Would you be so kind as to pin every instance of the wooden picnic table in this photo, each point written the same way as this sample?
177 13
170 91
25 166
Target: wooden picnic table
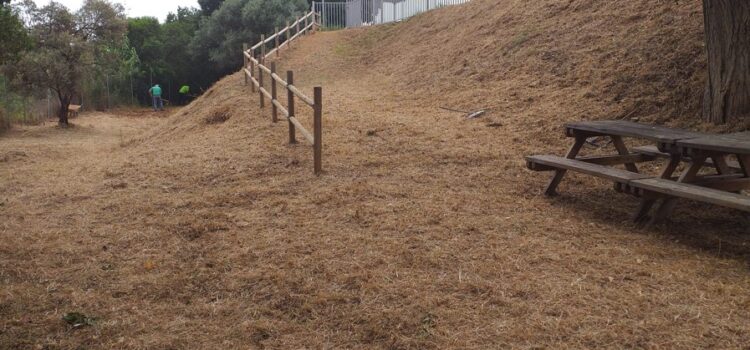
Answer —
729 177
665 139
676 145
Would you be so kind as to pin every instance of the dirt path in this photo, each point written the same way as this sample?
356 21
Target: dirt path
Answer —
425 232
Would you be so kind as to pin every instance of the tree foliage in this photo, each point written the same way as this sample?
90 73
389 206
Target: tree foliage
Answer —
97 55
209 6
13 39
224 32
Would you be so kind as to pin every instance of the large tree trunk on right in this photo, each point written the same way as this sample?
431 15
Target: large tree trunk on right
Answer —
727 25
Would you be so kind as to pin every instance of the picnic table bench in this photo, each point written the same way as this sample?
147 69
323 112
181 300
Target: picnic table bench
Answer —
677 146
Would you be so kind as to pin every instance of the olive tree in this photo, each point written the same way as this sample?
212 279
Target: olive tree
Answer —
66 45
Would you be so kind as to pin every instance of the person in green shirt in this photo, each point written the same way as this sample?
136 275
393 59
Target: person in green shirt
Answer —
155 92
184 91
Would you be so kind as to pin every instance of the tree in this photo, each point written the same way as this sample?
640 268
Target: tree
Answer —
727 26
66 45
209 6
221 34
13 39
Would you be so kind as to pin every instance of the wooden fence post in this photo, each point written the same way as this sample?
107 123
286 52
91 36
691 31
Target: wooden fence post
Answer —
306 24
297 25
274 110
252 69
260 86
276 40
262 49
290 105
244 61
318 130
288 30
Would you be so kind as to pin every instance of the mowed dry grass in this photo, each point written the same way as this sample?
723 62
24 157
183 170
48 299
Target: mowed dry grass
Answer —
209 231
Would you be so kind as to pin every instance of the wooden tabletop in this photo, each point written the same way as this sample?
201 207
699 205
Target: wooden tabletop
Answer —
623 128
737 143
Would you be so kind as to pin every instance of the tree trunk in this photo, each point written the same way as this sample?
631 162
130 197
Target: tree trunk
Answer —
727 24
62 114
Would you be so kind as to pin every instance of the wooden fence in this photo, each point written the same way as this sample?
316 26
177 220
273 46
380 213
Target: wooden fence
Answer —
255 67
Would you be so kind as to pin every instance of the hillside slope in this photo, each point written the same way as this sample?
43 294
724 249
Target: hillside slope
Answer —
596 59
425 230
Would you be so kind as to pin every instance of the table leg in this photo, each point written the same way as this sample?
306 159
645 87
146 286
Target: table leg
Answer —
559 174
744 160
668 170
648 201
623 150
668 204
720 163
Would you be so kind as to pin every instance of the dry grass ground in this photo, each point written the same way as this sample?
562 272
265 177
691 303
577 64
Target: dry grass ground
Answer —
206 230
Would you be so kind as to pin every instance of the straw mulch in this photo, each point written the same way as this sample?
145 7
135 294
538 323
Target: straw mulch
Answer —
207 230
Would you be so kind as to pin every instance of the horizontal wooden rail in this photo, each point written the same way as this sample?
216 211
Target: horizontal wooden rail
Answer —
302 130
281 108
266 93
301 96
288 111
273 37
279 80
275 50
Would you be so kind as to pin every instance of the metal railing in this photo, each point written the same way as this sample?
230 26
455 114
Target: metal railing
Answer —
357 13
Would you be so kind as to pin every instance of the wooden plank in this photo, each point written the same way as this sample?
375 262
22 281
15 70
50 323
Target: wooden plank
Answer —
718 143
281 108
693 192
654 151
266 55
651 151
265 69
630 129
732 183
301 96
266 93
551 189
302 130
268 40
279 80
618 159
614 174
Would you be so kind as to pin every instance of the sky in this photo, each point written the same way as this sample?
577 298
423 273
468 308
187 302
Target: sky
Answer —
136 8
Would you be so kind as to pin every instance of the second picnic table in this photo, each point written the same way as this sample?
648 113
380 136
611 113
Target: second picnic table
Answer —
676 146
